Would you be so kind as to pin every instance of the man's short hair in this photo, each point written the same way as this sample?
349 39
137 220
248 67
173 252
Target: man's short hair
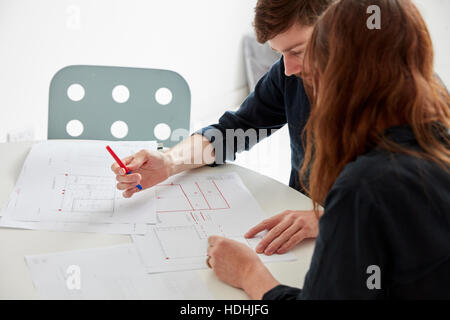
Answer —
273 17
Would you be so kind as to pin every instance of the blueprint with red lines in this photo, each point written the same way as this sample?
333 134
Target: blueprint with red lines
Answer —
190 208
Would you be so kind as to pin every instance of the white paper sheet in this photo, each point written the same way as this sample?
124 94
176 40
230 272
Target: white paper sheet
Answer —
64 182
108 273
107 228
192 207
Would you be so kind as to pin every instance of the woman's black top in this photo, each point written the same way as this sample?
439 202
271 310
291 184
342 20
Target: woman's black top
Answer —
385 231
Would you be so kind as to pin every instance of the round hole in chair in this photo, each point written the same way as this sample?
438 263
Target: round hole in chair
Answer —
119 129
74 128
163 96
162 131
75 92
120 94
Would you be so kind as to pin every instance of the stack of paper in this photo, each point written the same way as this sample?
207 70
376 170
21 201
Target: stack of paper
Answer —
108 273
69 186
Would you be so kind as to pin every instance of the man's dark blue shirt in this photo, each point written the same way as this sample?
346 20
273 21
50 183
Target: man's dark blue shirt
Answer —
276 101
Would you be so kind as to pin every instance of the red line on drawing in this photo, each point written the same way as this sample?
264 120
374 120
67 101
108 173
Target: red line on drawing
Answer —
194 218
202 216
221 194
202 194
186 197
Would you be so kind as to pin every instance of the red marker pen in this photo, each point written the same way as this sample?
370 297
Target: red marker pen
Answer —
120 163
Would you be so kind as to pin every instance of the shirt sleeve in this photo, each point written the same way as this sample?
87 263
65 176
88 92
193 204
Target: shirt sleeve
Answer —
260 115
282 292
349 256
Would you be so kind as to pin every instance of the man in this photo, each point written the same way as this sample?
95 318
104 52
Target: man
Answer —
278 98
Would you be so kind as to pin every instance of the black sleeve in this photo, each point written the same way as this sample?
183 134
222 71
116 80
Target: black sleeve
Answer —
282 292
263 110
348 244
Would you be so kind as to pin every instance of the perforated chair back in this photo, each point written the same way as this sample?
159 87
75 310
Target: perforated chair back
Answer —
96 101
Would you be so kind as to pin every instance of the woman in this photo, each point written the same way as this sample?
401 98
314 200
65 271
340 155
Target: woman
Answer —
380 164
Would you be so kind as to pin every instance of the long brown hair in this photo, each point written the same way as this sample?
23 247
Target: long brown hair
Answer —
365 81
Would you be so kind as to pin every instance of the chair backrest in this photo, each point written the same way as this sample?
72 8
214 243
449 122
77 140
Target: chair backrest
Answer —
151 104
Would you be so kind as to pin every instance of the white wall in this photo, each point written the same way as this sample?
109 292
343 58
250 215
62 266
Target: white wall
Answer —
200 39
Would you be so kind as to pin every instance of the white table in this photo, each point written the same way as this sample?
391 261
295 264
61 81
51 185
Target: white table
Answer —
15 278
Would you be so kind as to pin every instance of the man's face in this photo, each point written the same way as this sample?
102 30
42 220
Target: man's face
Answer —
292 45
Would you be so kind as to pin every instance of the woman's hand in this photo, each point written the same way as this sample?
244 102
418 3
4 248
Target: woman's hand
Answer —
285 231
237 265
148 169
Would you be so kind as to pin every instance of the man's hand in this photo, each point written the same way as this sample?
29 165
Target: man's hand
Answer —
148 169
285 231
237 265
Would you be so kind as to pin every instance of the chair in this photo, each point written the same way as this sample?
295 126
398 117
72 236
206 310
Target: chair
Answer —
131 101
